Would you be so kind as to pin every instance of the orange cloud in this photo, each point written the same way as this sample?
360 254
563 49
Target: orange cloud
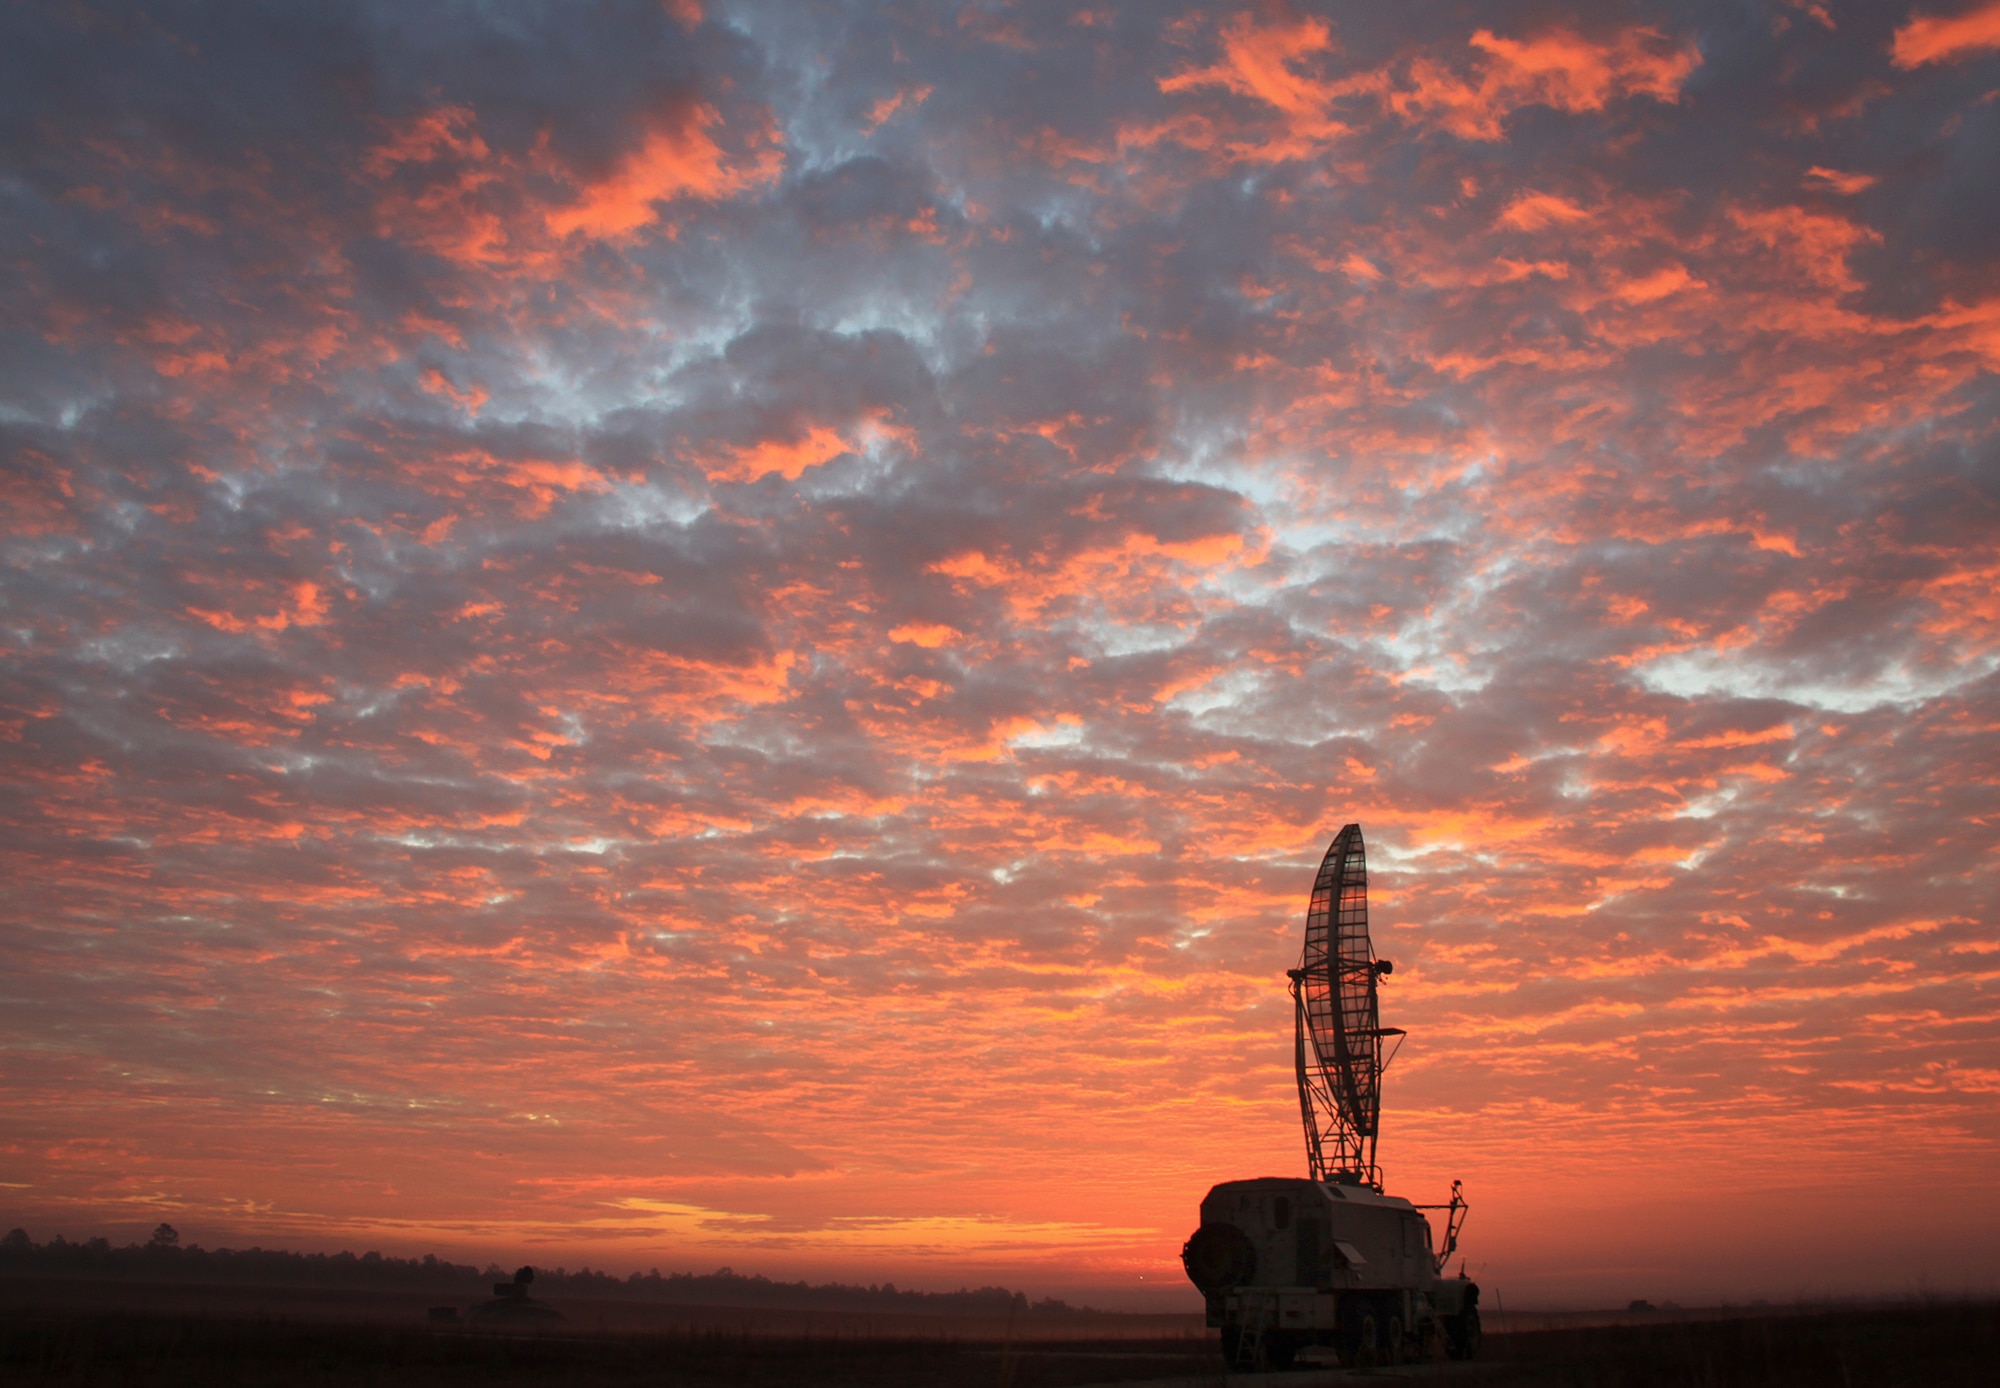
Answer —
1668 279
443 188
674 159
1257 63
792 452
929 635
1125 575
1816 243
435 382
1262 62
526 486
452 211
787 458
1943 38
1531 211
1835 181
307 607
880 113
1557 68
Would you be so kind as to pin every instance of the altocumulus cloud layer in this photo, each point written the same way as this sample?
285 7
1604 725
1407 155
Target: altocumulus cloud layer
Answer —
709 633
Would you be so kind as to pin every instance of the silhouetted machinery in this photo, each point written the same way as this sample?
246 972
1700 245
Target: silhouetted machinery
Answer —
511 1305
1328 1259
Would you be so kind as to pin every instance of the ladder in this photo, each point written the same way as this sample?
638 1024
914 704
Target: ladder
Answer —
1250 1338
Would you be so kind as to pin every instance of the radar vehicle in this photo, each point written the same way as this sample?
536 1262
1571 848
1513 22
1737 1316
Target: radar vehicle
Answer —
1328 1259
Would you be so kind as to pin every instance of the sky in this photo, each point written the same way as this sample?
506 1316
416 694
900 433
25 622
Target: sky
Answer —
727 634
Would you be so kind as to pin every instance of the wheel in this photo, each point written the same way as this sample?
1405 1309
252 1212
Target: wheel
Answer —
1232 1336
1363 1342
1461 1334
1280 1350
1394 1348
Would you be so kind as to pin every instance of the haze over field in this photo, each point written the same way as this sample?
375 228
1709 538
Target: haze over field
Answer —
727 633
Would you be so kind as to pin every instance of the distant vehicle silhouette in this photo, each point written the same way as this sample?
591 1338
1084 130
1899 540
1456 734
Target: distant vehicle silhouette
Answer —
510 1305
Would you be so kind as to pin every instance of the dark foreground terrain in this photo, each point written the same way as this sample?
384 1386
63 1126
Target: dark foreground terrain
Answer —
1940 1345
1932 1346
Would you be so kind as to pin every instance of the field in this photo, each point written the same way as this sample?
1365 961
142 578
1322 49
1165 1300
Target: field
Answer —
52 1335
1936 1345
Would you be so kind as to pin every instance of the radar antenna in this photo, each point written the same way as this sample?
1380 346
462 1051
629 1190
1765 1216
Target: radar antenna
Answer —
1337 1029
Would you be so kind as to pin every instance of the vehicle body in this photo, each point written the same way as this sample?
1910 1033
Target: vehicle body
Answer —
1288 1262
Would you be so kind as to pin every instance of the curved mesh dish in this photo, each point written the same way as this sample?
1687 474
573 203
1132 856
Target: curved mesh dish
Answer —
1339 1025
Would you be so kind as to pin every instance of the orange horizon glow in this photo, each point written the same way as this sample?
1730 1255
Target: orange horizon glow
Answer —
729 636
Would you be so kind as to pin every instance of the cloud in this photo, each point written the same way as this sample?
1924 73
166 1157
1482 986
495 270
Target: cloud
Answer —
446 190
1259 62
678 159
1557 67
1929 38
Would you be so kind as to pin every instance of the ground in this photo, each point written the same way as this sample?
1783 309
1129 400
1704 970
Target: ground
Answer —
51 1335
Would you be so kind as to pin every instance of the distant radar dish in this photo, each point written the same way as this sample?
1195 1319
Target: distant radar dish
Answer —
1337 1030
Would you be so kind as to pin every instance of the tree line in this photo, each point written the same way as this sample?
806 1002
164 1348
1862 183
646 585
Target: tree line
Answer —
165 1258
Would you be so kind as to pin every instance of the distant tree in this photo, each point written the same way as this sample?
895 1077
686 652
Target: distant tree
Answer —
166 1256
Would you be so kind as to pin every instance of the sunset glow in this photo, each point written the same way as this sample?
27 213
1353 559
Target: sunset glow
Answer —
728 634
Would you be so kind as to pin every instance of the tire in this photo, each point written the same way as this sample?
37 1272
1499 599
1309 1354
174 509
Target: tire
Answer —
1280 1350
1462 1335
1361 1345
1393 1350
1232 1336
